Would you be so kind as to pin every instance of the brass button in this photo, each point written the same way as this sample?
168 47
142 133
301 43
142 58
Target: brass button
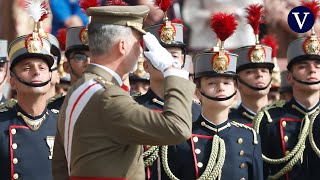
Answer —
195 139
15 160
14 146
200 165
240 141
13 131
286 138
15 176
287 152
242 165
197 151
203 123
284 123
241 153
243 178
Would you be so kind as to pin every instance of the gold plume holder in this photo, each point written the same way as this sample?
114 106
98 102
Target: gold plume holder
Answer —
257 54
220 61
83 35
276 74
140 72
167 31
33 41
312 44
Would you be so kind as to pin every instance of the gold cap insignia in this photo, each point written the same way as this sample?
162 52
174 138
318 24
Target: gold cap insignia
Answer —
83 35
34 43
167 32
220 62
311 45
257 54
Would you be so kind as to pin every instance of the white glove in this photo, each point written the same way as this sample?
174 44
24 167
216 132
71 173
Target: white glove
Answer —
159 56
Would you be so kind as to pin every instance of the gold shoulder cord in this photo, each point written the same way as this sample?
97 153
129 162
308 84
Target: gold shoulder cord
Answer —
311 139
151 155
297 152
215 163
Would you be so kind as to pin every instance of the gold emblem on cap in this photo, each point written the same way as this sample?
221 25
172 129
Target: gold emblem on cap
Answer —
167 32
312 45
257 54
220 62
34 43
83 35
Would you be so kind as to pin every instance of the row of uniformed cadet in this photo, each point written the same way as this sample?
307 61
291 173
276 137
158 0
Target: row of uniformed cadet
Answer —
101 129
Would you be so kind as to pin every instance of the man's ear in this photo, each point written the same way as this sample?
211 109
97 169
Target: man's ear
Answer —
66 67
122 46
198 94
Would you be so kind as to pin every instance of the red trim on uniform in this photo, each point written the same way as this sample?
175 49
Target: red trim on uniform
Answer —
249 124
193 150
10 145
155 110
284 149
71 113
95 178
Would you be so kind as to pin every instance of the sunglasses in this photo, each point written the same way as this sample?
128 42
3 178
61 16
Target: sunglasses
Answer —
80 57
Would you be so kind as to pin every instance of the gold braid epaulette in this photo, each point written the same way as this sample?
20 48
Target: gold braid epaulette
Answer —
214 167
103 82
8 104
254 133
297 152
150 155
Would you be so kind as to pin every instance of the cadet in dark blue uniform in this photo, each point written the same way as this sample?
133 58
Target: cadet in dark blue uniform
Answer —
254 68
153 99
288 129
27 127
219 148
3 68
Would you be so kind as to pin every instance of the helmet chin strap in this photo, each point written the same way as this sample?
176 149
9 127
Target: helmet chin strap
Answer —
305 82
30 84
218 99
252 87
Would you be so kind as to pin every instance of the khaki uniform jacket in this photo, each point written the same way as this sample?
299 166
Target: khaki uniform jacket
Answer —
111 129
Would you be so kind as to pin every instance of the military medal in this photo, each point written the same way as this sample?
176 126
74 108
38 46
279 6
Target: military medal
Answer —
50 143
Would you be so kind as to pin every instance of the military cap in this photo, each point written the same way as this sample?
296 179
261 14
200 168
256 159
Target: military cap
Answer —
284 86
254 56
304 48
3 50
77 39
207 63
131 16
30 46
177 37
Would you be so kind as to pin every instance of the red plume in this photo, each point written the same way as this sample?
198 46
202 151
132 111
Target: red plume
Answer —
116 3
45 15
62 36
271 41
254 17
163 4
313 6
85 4
223 25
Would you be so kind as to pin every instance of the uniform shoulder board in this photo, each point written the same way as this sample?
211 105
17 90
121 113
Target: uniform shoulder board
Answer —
103 82
276 104
54 98
4 107
254 133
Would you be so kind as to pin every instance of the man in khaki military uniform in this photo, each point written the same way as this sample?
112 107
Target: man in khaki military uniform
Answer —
101 129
